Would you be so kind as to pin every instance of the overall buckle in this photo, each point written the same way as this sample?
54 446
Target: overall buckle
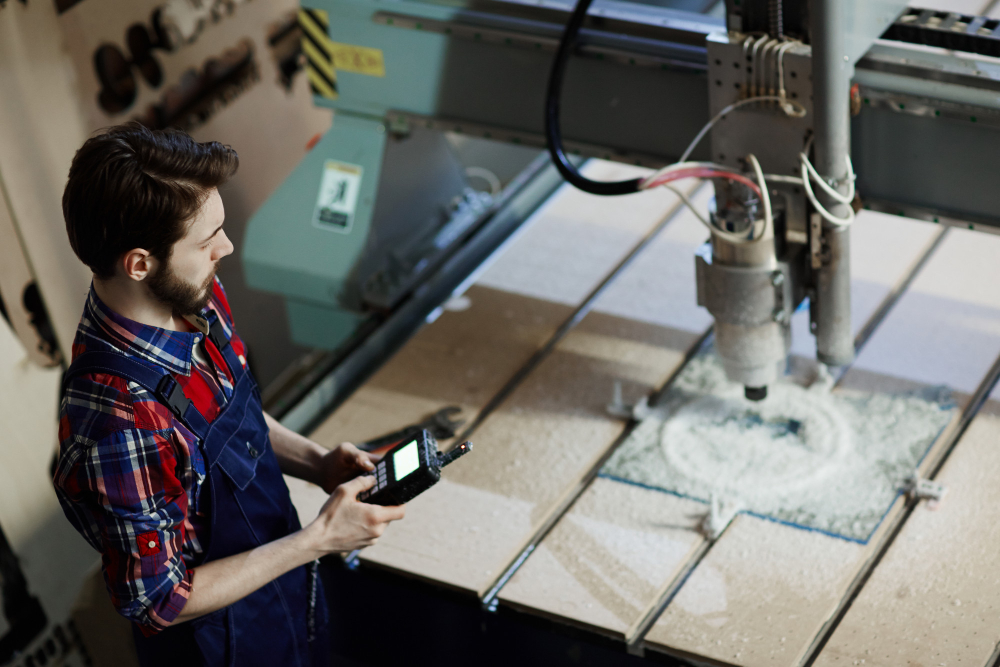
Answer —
173 397
217 334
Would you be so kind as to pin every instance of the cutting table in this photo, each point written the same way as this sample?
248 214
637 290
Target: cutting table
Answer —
525 527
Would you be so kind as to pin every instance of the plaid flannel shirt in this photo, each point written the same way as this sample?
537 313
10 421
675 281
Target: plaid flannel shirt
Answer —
130 475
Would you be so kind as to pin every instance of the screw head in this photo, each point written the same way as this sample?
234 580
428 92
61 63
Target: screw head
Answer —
778 279
779 315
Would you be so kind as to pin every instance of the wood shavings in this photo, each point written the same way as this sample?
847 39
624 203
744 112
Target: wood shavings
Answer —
832 462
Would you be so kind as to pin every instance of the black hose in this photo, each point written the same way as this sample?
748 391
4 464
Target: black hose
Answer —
553 133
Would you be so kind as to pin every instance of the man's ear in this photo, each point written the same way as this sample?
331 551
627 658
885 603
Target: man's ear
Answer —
138 264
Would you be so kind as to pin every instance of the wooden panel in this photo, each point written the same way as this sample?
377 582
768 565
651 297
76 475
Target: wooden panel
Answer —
600 586
534 450
577 239
935 597
944 330
610 559
875 272
578 596
465 357
776 586
520 300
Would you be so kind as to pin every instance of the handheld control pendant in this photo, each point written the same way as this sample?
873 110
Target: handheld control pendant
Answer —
409 469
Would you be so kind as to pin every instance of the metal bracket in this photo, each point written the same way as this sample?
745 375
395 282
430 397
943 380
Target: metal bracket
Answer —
618 408
742 295
721 513
918 488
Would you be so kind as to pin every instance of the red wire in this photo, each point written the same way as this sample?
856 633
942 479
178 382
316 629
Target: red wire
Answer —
702 172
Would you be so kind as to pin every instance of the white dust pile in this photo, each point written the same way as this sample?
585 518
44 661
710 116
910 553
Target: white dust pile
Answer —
831 462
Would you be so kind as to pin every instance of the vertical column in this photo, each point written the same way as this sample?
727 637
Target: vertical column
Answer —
831 96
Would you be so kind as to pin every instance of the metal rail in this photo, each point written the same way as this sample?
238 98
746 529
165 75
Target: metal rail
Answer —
860 340
381 340
969 412
489 600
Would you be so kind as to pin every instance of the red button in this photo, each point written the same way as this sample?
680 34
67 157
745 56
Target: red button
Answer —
148 543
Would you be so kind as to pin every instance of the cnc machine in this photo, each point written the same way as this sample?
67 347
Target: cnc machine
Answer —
799 113
775 78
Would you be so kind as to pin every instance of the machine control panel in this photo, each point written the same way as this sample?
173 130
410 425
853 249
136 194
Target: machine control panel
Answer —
409 469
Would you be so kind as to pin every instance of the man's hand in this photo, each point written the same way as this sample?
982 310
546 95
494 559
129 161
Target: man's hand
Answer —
300 457
345 524
343 463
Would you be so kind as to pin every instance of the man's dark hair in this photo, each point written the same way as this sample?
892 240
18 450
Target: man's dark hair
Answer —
132 187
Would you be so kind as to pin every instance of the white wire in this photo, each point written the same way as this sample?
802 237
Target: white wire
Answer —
810 175
752 85
792 109
833 194
781 65
729 236
765 194
762 67
732 107
780 178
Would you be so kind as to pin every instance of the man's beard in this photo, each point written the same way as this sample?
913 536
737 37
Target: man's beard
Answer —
182 297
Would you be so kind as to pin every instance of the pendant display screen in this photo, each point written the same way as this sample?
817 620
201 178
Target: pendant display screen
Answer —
405 460
408 469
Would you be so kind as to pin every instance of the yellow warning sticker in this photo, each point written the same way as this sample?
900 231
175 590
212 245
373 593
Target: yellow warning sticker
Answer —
358 59
319 57
325 56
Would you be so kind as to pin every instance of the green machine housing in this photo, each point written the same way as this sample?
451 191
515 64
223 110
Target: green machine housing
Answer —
378 205
381 200
372 207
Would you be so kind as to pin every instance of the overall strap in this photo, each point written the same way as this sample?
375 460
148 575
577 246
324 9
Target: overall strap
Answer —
154 379
217 334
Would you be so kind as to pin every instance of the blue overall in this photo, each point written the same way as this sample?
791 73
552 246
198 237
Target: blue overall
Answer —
282 623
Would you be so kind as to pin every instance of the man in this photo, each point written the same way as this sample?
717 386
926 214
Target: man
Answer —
168 465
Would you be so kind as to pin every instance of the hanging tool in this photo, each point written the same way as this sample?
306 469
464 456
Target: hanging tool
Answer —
440 425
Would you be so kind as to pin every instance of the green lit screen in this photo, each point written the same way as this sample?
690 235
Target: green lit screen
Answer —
405 460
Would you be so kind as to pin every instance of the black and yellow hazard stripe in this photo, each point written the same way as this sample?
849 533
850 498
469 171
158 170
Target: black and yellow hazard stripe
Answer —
318 48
